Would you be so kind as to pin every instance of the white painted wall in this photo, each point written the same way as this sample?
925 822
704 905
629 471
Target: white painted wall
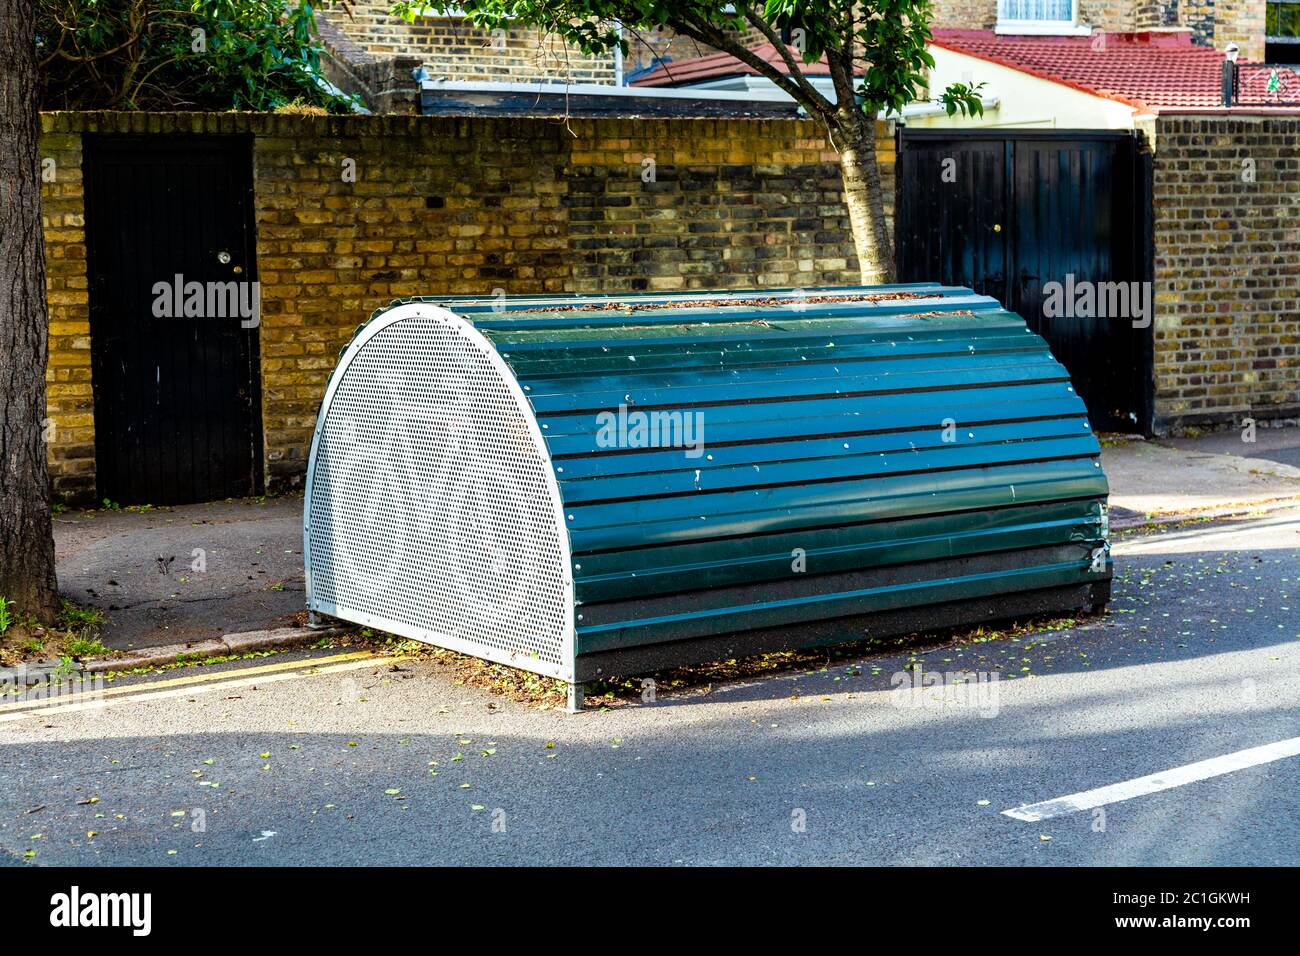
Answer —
1022 100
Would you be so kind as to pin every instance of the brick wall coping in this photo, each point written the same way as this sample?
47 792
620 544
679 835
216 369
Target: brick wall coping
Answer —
1237 112
297 124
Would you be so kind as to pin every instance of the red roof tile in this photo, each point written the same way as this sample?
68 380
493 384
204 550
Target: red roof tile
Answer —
1151 70
715 66
1148 70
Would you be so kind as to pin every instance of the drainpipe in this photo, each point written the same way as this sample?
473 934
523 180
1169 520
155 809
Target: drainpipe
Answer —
618 56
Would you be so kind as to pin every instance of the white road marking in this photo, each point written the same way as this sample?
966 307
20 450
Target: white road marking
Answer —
309 670
1154 783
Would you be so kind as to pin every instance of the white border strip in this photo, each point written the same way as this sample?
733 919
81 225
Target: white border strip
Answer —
1154 783
564 670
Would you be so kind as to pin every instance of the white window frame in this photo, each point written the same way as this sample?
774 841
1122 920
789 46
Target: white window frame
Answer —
1057 28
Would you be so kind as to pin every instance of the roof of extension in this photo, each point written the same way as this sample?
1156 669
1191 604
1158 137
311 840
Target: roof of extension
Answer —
1148 70
715 66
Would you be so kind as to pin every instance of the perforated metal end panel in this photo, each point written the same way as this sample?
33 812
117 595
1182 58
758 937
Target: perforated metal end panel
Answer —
432 507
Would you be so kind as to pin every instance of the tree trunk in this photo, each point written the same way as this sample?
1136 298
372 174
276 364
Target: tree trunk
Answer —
26 534
866 201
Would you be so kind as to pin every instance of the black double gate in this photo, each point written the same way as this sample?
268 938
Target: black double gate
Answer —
1056 225
175 370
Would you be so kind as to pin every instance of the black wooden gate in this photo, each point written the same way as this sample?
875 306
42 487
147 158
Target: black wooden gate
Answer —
1056 225
173 323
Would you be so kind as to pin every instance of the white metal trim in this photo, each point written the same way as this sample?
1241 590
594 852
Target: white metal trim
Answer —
601 89
1051 28
566 669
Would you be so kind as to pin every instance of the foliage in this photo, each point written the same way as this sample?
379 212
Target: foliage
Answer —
73 616
84 647
6 620
179 54
875 50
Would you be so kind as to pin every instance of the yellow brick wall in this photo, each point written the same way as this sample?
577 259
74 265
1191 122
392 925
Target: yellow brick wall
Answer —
68 381
1227 329
453 48
452 206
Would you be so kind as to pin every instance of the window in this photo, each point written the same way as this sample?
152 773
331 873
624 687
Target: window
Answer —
1051 17
1282 31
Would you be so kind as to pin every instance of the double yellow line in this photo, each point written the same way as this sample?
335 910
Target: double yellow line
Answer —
91 699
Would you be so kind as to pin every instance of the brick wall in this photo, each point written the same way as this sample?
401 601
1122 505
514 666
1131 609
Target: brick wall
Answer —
70 402
451 47
1227 328
646 48
1240 22
965 14
1152 14
453 206
385 83
1112 15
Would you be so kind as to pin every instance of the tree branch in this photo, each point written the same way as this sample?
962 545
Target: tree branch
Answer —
840 63
710 34
795 68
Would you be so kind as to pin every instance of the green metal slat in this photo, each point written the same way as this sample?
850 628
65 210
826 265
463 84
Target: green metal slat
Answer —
578 434
468 305
511 334
676 468
641 522
559 348
818 559
824 349
690 486
582 314
953 380
635 563
638 381
823 606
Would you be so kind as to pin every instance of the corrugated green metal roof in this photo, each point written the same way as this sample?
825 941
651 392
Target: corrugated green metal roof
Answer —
823 436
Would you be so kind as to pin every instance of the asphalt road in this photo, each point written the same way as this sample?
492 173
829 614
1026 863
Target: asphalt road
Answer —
371 762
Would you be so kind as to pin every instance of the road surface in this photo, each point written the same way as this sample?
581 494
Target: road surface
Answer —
1171 726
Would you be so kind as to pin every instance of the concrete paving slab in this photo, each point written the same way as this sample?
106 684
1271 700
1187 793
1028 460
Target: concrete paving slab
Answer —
184 574
1160 478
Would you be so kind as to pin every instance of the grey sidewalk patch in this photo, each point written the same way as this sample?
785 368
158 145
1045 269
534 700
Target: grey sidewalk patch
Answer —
241 643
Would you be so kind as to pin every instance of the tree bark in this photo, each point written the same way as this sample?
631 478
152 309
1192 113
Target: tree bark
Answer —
853 133
865 200
26 533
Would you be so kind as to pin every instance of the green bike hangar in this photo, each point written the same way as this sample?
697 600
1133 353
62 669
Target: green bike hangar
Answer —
491 475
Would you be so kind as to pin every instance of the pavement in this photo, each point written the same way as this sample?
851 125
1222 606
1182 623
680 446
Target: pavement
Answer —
185 574
138 565
1175 478
1279 445
338 757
